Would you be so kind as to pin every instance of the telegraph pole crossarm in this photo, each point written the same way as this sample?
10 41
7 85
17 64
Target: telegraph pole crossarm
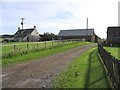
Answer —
22 27
22 22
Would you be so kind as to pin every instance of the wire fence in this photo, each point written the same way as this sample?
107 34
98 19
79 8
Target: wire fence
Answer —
112 65
23 48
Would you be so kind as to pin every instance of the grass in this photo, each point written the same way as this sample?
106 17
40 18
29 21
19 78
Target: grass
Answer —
86 71
9 43
40 54
115 51
18 43
9 50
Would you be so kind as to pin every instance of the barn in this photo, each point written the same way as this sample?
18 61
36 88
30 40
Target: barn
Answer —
113 36
84 34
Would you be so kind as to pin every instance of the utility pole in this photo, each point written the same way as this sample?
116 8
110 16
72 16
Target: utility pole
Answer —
22 28
87 30
22 22
87 23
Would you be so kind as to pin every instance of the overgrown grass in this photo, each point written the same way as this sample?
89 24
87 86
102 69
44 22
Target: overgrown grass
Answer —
9 43
115 51
85 71
40 54
13 49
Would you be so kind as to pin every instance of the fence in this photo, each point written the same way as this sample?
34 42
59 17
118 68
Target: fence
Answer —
23 48
112 65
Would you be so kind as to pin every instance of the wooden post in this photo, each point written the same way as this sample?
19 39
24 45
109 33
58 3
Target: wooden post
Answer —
57 43
45 44
37 45
118 66
52 43
14 47
27 46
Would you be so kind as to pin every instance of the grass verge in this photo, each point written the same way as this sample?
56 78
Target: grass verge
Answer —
40 54
86 71
11 50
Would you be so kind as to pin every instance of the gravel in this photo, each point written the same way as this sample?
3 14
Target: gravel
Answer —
39 73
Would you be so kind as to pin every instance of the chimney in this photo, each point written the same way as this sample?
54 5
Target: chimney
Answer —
18 28
34 27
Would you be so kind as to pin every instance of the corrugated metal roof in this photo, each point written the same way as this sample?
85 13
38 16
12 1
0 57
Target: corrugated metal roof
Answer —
76 32
113 29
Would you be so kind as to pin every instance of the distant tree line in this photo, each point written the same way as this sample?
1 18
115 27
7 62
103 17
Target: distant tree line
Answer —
48 36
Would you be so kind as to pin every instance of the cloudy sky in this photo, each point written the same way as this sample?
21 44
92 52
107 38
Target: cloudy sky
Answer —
54 15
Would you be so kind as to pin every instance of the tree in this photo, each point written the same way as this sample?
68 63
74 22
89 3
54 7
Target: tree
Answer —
48 36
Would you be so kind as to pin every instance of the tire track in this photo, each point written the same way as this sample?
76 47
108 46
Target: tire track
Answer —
40 73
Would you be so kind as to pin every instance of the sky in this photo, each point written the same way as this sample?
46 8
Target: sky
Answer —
55 15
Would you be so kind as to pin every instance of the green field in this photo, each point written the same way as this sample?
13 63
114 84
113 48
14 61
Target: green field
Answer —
86 71
9 43
18 48
41 53
115 51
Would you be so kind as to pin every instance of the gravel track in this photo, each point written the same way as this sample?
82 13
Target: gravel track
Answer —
39 73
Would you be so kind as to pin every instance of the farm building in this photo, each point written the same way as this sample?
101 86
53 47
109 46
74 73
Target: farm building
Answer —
7 38
84 34
113 36
29 35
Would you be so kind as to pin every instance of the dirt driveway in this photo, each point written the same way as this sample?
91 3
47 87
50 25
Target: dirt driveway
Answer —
40 73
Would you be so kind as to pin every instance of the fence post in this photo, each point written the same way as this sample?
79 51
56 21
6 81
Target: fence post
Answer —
118 66
111 64
52 43
45 44
37 45
62 42
57 43
27 46
65 42
14 47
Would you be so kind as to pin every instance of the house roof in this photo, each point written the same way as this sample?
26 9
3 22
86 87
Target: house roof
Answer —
7 36
76 32
24 32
